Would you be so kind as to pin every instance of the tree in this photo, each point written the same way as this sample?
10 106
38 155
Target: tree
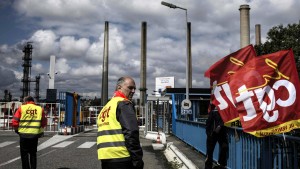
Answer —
282 38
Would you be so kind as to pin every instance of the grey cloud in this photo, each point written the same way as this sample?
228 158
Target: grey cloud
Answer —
8 77
73 31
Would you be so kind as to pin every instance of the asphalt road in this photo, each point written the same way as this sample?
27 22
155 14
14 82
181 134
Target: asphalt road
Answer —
68 152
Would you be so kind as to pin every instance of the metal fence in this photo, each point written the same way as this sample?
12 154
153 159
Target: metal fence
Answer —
89 114
52 112
55 114
245 151
7 110
277 152
157 114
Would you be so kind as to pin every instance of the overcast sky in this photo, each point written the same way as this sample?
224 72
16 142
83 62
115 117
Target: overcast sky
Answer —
72 30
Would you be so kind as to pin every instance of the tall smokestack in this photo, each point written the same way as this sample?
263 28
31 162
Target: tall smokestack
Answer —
143 72
244 25
189 54
257 34
51 72
104 92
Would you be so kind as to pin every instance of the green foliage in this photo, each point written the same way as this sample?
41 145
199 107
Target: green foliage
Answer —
282 38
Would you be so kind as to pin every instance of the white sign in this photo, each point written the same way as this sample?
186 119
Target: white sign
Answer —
161 83
186 104
186 111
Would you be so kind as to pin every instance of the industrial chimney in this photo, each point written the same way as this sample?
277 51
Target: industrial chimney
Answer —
257 34
244 25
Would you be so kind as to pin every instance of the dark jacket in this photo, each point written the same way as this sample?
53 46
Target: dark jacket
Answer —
127 117
214 123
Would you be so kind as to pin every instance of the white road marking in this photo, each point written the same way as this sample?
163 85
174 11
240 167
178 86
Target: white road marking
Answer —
63 144
47 153
87 144
53 140
10 161
6 143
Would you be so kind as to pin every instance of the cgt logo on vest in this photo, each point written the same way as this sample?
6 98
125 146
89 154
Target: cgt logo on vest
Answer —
103 116
31 112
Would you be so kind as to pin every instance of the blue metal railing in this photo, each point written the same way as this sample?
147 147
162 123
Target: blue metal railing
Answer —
245 151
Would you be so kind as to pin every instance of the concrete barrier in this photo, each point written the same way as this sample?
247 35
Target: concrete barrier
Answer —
152 135
177 158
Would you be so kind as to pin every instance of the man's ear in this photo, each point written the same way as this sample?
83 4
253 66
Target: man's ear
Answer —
119 87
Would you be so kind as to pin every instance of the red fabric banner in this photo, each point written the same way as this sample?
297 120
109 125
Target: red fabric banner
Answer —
266 93
219 74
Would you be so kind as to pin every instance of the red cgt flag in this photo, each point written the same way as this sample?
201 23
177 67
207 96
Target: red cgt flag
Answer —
266 92
219 74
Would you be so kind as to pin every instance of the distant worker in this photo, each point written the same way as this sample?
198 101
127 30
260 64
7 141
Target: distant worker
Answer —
216 132
118 140
29 122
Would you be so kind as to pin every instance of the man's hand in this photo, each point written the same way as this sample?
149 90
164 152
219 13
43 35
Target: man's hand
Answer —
138 164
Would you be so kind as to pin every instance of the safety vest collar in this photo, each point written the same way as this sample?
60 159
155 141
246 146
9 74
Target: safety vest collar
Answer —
120 94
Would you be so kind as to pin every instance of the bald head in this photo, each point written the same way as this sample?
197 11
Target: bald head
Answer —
127 86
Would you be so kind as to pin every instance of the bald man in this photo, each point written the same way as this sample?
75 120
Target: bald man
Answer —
118 132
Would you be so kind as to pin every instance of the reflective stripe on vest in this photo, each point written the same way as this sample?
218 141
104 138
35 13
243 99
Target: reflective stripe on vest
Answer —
110 139
31 119
110 144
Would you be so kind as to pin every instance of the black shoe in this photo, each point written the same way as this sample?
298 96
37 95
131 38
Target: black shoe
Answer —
219 167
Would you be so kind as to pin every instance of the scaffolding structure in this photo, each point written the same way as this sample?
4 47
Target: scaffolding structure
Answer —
26 80
27 50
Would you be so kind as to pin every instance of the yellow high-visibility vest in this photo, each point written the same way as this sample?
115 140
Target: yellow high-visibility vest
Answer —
110 140
31 119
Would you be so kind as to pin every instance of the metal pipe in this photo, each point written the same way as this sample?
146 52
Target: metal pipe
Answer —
104 92
187 51
143 68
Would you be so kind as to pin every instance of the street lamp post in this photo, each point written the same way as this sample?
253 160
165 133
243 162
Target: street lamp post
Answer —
187 52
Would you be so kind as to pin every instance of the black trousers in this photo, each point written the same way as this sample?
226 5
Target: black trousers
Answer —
211 142
28 149
117 165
